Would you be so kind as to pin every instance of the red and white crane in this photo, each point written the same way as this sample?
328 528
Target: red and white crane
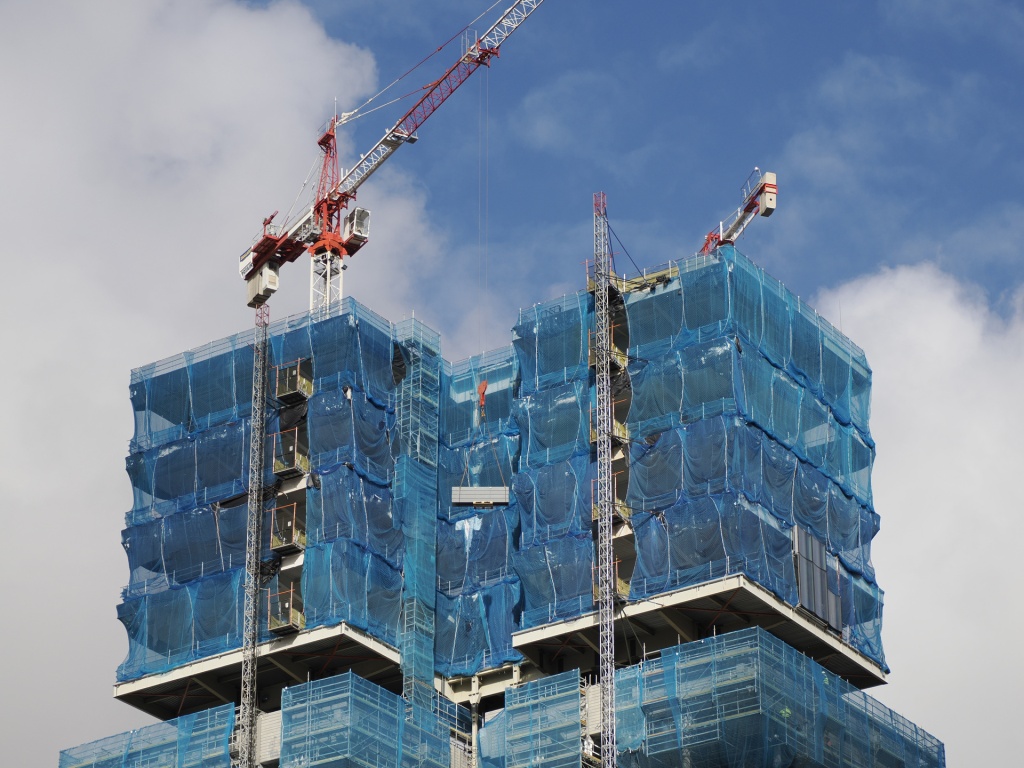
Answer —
321 231
759 197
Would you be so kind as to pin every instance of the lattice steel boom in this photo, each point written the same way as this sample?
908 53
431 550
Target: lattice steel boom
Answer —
246 733
604 501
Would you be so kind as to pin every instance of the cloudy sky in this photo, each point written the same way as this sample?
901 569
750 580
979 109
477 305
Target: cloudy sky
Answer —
143 141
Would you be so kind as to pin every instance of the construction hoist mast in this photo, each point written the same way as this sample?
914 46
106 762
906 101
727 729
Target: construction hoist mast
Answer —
328 238
604 507
246 735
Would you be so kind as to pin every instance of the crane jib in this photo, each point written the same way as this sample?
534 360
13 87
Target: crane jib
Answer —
290 244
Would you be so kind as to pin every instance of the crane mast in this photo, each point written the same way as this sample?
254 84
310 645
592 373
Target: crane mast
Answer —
328 238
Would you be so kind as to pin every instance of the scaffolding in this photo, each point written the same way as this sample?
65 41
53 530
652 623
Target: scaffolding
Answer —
199 740
748 699
347 722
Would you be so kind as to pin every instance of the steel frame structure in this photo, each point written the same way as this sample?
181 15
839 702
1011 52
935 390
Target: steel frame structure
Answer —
604 506
246 730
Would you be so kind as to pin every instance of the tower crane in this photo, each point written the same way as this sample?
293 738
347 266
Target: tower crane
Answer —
320 230
328 238
759 197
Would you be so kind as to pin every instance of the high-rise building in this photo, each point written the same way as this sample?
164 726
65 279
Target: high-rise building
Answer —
429 542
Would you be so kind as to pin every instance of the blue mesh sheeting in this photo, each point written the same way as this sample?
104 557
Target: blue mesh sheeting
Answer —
725 294
190 453
351 429
862 614
557 578
554 500
342 581
474 629
486 460
348 506
722 376
199 740
747 415
476 550
479 600
551 341
542 723
555 423
347 722
727 454
492 742
696 541
170 627
180 548
748 699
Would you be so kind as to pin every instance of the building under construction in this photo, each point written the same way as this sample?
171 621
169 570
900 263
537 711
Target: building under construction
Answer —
430 590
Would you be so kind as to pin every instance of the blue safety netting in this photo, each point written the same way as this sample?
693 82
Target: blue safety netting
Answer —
346 505
491 742
347 427
486 460
747 417
199 740
725 454
416 498
342 581
475 550
552 341
555 423
460 413
188 466
708 538
558 578
348 722
721 376
554 500
474 628
722 294
479 596
746 699
555 552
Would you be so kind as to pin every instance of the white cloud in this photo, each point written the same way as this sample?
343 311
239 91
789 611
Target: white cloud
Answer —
947 373
141 147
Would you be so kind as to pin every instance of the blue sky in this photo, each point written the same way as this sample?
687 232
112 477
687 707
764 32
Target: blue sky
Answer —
143 143
890 126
